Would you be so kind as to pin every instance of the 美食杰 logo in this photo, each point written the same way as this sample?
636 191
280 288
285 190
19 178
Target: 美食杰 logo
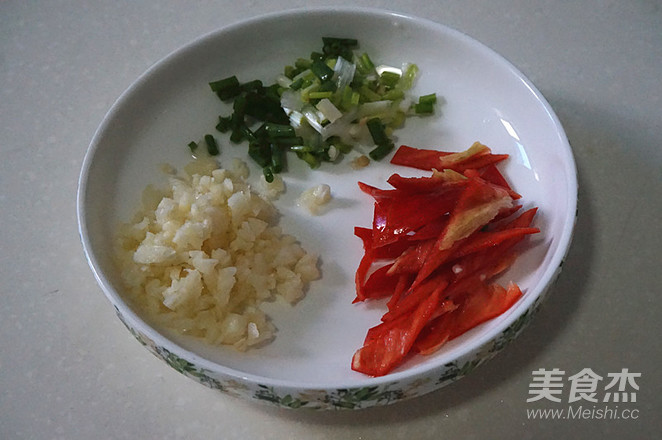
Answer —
587 394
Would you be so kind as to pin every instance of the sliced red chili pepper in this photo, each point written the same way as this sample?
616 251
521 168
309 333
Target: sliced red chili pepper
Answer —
491 261
482 305
430 230
380 355
438 181
440 239
444 307
435 334
366 261
477 156
406 243
413 258
379 284
381 248
485 302
404 281
483 240
481 161
463 285
379 222
380 194
402 216
505 213
524 220
365 234
415 297
478 204
482 266
382 329
492 174
394 249
422 159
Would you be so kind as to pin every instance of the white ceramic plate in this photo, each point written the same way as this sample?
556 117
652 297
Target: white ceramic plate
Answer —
308 365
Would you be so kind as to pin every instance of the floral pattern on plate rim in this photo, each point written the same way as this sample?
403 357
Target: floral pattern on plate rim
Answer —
344 398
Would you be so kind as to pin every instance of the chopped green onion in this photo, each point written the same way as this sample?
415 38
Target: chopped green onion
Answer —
316 56
368 95
389 79
377 131
381 139
346 42
289 141
310 159
340 145
327 86
330 111
277 158
307 82
381 151
268 174
339 47
320 95
290 71
296 85
423 109
226 88
302 64
321 70
355 99
224 124
301 148
239 111
279 130
265 106
375 109
284 81
425 104
212 147
428 99
247 133
316 106
408 77
394 94
260 152
237 136
343 98
251 86
272 92
365 65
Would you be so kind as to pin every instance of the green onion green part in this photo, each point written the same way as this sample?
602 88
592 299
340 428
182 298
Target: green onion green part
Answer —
212 146
277 158
224 124
408 77
389 79
268 174
365 65
321 70
226 88
426 104
381 139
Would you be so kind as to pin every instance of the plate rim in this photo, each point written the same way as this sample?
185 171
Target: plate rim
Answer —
546 278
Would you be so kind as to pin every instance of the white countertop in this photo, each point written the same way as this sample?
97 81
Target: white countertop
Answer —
70 370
